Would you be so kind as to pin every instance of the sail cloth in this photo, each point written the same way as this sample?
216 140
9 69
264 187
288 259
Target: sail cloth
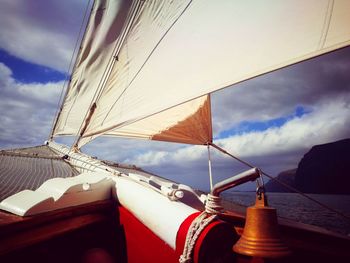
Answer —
102 36
187 123
177 51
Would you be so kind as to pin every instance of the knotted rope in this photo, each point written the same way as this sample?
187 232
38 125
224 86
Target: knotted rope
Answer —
193 233
213 205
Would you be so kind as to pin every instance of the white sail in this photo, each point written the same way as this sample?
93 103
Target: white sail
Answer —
102 36
187 123
176 51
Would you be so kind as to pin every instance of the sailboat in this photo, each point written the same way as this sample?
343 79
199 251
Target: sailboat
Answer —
145 69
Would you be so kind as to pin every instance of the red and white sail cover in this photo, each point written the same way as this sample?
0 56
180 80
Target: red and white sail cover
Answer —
177 51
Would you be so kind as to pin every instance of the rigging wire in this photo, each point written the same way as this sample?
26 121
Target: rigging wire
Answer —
68 78
326 24
282 183
209 168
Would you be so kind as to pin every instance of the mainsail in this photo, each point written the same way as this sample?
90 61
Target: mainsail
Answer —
150 77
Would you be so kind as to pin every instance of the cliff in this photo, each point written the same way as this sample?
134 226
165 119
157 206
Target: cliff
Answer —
287 177
324 169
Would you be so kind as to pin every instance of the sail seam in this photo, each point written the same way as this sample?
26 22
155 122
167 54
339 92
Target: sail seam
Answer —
326 24
118 46
107 71
148 57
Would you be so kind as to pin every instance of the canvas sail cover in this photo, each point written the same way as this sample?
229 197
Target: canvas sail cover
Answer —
176 52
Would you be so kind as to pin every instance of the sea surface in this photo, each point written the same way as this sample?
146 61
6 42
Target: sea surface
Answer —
297 208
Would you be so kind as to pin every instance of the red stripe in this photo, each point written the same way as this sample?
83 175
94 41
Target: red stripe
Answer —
182 232
214 244
141 243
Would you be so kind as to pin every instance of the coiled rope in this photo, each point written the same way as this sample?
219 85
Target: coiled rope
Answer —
193 233
213 205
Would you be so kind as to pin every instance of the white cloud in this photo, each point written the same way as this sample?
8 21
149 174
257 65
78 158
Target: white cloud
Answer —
41 32
279 93
27 110
5 73
327 122
180 155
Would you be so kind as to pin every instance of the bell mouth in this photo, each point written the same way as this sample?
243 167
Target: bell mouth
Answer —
261 236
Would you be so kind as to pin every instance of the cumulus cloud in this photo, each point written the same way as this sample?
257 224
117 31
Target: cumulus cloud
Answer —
27 110
279 93
327 122
41 32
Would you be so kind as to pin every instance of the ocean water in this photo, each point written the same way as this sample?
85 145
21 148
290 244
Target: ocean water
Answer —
297 208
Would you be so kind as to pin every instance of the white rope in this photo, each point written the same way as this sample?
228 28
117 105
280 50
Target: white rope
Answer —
193 233
213 205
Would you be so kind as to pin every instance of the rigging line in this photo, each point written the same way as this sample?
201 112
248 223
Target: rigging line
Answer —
282 183
209 168
70 70
106 73
326 23
208 144
148 57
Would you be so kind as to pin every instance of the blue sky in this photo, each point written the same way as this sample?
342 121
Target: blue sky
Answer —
251 126
26 72
271 121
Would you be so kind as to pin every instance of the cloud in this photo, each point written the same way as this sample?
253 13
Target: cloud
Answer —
279 93
327 122
27 110
41 32
125 150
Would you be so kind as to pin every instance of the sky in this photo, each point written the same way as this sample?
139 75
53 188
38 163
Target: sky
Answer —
270 121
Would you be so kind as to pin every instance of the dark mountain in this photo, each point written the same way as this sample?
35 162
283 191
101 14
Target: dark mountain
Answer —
325 169
287 177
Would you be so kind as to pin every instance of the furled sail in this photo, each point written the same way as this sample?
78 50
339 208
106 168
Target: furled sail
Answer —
175 52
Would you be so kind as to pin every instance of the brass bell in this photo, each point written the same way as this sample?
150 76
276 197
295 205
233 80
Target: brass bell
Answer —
261 237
